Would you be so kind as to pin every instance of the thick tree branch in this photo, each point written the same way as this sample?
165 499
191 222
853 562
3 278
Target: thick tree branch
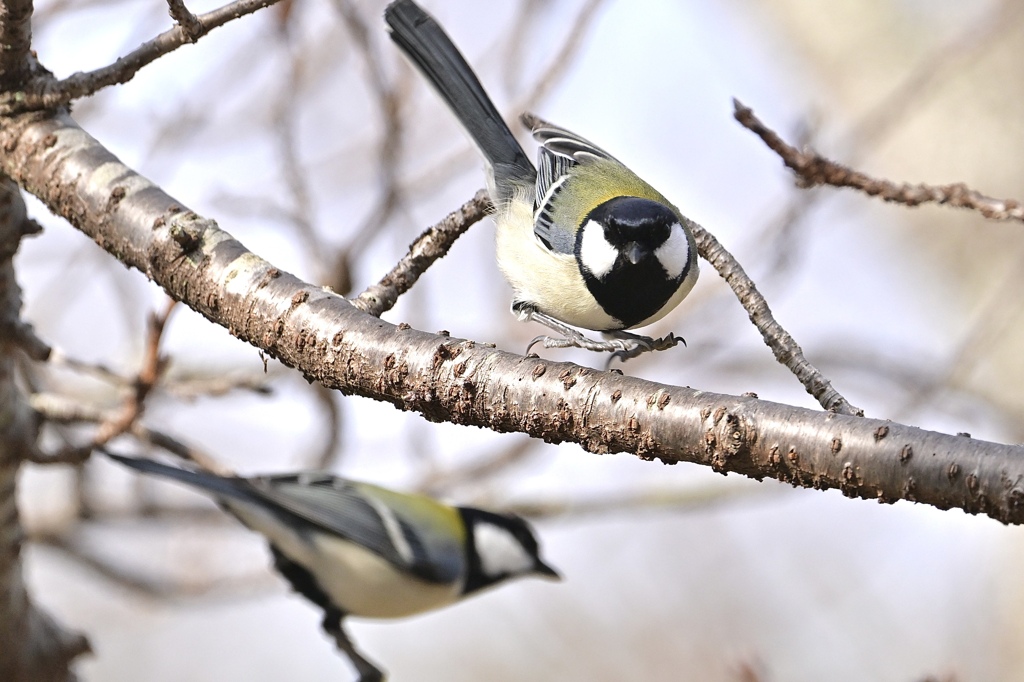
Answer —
813 169
32 646
15 41
331 341
45 92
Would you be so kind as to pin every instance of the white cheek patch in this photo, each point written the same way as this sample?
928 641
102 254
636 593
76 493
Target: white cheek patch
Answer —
596 254
500 553
674 254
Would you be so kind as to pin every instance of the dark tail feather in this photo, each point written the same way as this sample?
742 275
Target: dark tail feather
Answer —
429 47
218 485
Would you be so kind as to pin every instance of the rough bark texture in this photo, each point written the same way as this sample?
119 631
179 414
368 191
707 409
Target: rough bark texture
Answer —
447 379
32 647
15 42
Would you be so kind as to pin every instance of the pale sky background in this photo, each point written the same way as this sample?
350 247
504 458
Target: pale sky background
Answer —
798 585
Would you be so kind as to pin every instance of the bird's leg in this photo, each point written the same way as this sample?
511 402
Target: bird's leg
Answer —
333 626
620 344
643 344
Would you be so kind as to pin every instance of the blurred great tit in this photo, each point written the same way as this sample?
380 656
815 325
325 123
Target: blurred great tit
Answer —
583 241
356 549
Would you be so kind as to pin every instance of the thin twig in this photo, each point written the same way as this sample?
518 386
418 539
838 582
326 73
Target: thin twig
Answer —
812 169
333 425
439 482
176 447
392 135
293 172
149 374
192 387
785 348
519 41
930 72
45 92
699 498
121 421
59 409
942 60
82 552
96 370
559 65
428 247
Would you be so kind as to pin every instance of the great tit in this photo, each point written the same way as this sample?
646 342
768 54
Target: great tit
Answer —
356 549
583 241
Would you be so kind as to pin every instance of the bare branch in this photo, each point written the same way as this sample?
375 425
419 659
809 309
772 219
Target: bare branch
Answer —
563 60
433 244
81 551
32 646
44 92
216 385
459 381
300 213
972 40
59 409
15 332
438 482
785 348
99 371
149 374
63 410
556 69
703 497
389 147
176 447
191 26
930 71
114 423
330 444
812 169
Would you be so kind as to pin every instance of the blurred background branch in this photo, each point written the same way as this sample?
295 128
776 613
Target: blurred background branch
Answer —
812 169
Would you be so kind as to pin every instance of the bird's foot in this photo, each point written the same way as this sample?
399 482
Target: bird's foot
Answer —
634 344
621 344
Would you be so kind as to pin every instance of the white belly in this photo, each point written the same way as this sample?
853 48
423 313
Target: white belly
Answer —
550 281
357 580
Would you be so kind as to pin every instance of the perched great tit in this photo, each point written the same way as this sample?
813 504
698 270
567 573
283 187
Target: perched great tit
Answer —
583 241
356 549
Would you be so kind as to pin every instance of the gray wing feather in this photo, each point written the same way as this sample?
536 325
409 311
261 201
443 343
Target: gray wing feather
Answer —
334 505
560 150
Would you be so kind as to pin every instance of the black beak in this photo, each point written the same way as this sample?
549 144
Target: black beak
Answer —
634 253
541 568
